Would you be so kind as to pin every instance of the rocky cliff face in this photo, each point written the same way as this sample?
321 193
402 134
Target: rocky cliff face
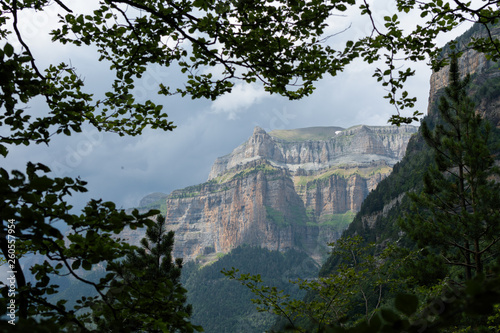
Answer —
281 190
484 73
360 144
258 207
340 189
378 219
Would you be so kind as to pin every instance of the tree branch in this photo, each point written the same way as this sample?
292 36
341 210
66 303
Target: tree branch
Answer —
63 6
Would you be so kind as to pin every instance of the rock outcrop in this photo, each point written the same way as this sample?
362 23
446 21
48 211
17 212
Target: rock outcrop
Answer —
485 76
359 144
284 189
252 208
379 217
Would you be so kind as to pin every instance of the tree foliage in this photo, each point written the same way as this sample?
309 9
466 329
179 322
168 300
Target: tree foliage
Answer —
458 210
34 203
353 292
454 222
146 294
281 44
223 305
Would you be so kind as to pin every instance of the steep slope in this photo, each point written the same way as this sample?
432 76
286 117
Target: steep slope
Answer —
288 189
485 76
256 206
223 305
380 211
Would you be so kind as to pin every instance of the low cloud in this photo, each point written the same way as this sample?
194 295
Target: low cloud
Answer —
240 99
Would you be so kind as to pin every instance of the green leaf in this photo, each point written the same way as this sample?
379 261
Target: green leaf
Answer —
75 264
3 151
86 265
41 183
9 50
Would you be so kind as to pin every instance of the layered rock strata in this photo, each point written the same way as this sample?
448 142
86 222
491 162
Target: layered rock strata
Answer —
281 191
258 208
485 76
359 144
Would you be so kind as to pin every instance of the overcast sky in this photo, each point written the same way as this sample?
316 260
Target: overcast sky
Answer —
125 169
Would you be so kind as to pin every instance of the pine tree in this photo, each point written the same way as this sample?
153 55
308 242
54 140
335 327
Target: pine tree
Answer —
458 211
147 296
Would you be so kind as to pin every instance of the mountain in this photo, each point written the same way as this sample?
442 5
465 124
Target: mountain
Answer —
290 192
317 148
377 220
270 207
287 189
485 76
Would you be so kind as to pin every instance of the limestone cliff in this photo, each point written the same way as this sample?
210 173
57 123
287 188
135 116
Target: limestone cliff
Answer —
281 190
485 76
339 189
360 144
258 206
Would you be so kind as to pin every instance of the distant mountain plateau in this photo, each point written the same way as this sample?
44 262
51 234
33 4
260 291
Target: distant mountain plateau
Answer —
286 189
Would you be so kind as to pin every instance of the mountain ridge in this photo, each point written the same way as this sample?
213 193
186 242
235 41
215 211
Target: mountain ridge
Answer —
368 143
282 194
307 133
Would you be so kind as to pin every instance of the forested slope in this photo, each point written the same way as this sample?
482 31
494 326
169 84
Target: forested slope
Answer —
222 305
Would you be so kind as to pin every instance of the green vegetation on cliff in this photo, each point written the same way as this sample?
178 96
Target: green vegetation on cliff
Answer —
305 134
265 168
236 173
454 225
488 90
344 171
338 221
221 183
295 216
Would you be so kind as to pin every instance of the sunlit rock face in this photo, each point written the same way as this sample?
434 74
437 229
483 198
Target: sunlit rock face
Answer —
253 209
330 147
284 189
484 74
